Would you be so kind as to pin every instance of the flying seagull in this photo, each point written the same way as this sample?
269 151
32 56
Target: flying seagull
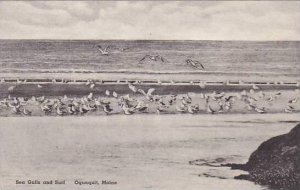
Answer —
104 51
195 64
153 58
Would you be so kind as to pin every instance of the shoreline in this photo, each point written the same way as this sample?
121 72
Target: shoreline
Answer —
48 88
140 71
127 76
227 118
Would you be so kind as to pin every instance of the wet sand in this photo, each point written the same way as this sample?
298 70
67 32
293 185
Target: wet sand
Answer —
139 152
80 89
221 76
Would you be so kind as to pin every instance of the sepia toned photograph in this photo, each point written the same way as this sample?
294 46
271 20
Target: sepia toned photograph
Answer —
150 95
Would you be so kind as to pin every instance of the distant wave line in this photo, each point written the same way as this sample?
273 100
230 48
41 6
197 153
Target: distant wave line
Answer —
125 71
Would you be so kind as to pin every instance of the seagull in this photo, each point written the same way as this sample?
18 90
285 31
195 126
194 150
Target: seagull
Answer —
181 108
218 95
115 95
195 64
104 102
159 82
251 99
104 51
41 99
90 96
270 99
260 110
141 106
11 88
47 108
244 93
160 109
60 112
148 95
186 100
261 94
26 112
92 86
250 107
127 110
228 98
88 82
193 108
202 84
172 100
228 105
39 86
289 109
202 96
107 109
255 87
210 110
128 98
278 93
16 110
153 58
71 109
83 109
19 81
292 101
92 107
132 88
107 92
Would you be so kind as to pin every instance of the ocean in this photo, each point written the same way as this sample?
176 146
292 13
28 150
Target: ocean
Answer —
280 57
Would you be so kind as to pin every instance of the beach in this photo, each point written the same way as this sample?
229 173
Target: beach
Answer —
70 114
152 147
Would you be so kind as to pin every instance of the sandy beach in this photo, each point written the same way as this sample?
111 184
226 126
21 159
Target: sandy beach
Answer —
136 151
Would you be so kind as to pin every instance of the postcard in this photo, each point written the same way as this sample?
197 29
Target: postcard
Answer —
161 95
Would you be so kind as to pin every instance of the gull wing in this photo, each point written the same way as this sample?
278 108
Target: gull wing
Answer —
142 91
150 91
146 56
108 47
201 66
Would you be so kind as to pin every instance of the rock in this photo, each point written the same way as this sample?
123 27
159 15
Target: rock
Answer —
276 162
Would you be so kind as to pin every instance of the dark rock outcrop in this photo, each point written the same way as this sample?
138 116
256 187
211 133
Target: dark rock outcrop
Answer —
276 162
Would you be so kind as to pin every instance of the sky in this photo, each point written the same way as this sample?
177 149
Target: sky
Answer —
161 20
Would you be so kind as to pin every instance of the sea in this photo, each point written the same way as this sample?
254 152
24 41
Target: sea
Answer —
281 57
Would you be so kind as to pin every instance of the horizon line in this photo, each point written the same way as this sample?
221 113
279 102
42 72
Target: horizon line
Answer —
94 39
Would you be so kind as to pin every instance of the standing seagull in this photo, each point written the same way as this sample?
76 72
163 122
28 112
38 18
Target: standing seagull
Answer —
104 51
195 64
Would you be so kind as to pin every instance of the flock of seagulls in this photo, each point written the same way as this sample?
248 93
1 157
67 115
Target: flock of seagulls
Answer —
154 58
146 101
